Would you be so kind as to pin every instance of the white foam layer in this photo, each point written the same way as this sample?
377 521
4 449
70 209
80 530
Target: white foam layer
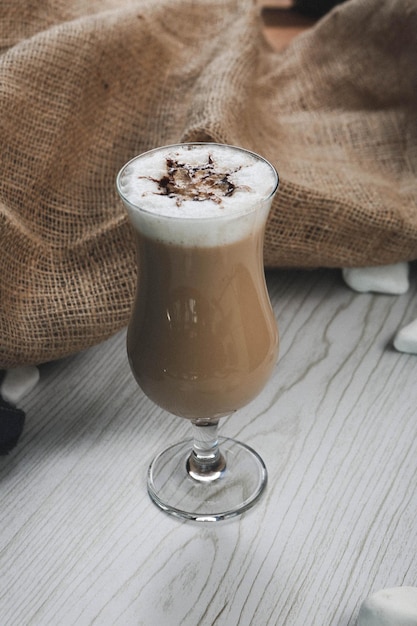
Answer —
219 214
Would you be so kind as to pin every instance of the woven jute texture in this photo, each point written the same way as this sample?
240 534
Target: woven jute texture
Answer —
85 86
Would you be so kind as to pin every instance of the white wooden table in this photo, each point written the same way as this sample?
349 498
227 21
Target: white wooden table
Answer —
81 543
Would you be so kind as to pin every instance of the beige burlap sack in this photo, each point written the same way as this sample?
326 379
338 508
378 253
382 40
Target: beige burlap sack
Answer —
84 86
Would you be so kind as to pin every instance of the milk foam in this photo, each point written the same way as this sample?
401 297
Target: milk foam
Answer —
235 202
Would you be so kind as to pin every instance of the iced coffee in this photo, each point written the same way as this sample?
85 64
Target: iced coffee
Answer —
202 340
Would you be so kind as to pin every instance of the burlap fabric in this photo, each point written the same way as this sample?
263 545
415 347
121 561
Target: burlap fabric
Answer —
84 86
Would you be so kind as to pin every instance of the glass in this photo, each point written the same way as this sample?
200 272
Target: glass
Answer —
202 339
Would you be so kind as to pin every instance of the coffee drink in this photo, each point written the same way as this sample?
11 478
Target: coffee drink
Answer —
202 339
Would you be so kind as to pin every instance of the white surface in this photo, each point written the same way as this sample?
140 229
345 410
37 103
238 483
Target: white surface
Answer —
390 607
406 338
81 543
388 279
17 382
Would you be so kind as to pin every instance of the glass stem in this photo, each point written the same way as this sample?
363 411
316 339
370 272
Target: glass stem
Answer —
205 463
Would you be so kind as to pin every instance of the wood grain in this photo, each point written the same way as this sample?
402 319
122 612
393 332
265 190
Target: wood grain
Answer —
82 544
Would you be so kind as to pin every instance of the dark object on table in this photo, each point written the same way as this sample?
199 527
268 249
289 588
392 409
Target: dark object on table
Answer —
12 421
315 8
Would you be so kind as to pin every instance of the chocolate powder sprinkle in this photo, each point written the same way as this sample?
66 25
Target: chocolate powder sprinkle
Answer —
202 182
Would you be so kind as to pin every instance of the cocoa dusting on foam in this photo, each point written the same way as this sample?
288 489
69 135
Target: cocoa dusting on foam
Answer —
195 182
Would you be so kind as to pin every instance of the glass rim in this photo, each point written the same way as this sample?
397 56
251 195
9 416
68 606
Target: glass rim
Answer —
227 215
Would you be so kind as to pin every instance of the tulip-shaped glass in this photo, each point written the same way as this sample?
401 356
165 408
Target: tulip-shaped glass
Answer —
202 338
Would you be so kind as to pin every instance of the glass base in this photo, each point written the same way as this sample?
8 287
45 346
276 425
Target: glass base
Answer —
234 489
